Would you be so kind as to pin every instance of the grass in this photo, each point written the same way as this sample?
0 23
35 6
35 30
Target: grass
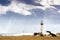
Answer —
28 38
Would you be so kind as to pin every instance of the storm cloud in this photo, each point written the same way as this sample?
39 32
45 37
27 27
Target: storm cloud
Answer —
31 2
5 2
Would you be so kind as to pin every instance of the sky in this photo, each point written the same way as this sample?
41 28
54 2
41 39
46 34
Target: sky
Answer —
18 16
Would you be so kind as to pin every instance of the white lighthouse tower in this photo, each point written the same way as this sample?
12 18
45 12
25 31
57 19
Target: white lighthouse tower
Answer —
41 27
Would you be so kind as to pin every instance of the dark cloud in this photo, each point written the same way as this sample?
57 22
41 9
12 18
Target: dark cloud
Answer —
31 2
5 2
57 6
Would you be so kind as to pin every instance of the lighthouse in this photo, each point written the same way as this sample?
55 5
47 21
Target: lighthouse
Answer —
41 27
